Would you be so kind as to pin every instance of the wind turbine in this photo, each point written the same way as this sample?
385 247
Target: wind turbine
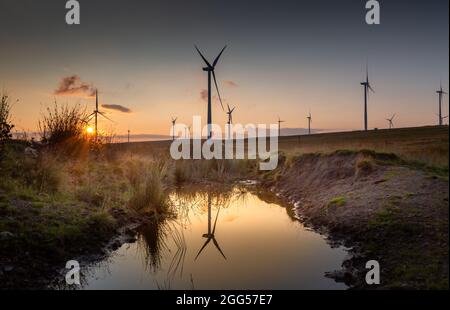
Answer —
309 123
441 94
210 235
230 118
174 120
187 129
390 120
95 114
279 125
210 69
367 88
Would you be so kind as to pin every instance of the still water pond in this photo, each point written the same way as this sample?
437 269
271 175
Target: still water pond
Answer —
233 240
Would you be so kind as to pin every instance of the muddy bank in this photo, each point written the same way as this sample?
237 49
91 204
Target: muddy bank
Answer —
35 264
381 207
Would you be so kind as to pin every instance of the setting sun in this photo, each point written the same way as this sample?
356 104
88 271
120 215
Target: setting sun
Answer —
90 130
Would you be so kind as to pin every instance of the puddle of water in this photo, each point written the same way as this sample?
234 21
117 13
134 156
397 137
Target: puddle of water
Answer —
239 242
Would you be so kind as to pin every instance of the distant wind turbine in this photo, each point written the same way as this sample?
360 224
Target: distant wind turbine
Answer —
230 117
441 94
309 123
390 120
367 88
95 114
187 130
279 126
174 120
210 69
211 233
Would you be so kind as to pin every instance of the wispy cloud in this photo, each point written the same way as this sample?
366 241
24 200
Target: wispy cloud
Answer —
116 107
204 94
73 86
231 84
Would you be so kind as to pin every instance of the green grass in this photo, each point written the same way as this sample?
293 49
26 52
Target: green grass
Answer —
337 201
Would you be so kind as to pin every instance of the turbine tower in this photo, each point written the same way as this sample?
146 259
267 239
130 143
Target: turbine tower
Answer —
210 235
367 89
210 69
95 114
390 120
441 93
279 126
309 123
230 118
174 120
187 131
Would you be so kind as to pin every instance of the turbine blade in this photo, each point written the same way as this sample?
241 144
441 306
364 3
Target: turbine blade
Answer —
202 248
103 114
367 72
370 87
215 221
217 88
217 58
232 110
218 247
203 57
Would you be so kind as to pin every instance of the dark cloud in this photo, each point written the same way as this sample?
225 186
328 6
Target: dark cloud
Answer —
73 86
231 84
116 107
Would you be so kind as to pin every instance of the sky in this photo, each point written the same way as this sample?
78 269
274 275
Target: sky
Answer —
284 58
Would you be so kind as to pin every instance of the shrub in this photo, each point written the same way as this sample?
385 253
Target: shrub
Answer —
5 118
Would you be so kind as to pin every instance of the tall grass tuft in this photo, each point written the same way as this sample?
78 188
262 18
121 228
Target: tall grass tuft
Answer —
64 126
149 195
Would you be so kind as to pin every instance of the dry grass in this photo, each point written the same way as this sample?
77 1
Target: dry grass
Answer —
427 145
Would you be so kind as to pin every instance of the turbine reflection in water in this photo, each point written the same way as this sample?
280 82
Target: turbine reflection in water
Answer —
211 234
171 253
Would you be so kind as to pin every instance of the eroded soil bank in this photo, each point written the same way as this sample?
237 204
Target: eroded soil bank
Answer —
384 209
